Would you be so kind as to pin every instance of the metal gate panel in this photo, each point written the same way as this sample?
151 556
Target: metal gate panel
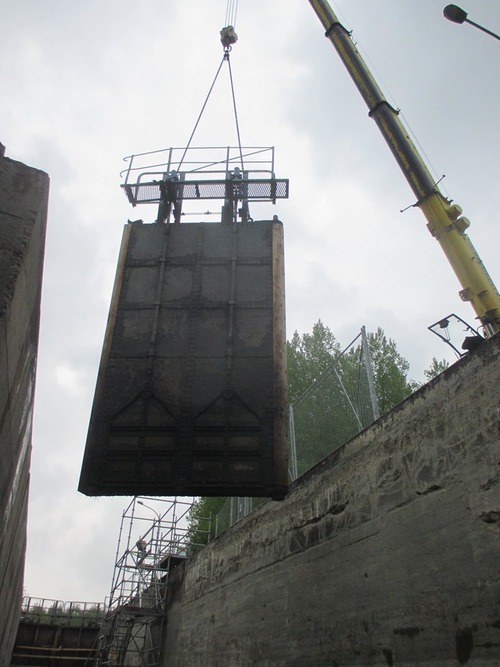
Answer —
191 391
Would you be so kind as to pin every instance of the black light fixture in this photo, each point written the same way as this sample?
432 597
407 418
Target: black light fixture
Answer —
458 15
454 13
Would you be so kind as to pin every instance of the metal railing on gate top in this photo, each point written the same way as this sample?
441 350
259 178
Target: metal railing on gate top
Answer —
173 176
257 160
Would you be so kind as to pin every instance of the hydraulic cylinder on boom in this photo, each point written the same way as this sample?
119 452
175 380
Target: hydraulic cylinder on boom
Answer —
444 218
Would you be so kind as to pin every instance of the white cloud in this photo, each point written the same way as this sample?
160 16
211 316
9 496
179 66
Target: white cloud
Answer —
69 378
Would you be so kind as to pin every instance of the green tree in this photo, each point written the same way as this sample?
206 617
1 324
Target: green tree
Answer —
317 366
308 356
436 368
390 370
60 613
329 391
312 354
202 520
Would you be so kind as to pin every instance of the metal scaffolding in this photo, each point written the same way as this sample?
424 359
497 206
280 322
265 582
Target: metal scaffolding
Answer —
153 539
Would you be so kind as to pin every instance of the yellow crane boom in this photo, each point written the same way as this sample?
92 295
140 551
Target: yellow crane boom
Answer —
444 218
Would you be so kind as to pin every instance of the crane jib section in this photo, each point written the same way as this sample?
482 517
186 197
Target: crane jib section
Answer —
444 219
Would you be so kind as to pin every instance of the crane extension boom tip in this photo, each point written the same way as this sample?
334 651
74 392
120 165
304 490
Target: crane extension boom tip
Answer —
444 219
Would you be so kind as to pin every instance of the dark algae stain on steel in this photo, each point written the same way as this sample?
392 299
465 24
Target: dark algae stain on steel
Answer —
464 643
191 392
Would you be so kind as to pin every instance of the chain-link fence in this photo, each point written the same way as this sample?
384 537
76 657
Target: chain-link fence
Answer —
339 404
233 510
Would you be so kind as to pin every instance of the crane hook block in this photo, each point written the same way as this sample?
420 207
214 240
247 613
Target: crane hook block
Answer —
228 36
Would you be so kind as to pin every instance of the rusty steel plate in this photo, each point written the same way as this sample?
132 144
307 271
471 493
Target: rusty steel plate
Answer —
191 391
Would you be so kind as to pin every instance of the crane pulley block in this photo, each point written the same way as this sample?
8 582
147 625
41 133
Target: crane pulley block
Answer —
228 36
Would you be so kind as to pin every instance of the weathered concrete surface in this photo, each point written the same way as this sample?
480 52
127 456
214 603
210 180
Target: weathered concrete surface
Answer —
23 214
386 553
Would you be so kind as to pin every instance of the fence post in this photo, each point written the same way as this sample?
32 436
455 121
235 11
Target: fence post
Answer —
369 374
293 445
341 384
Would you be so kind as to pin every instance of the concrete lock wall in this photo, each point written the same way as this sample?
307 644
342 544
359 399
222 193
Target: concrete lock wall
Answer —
23 214
385 553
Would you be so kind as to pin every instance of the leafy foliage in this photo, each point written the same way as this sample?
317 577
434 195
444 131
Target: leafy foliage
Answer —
391 371
202 521
436 368
335 403
315 360
68 614
312 354
308 356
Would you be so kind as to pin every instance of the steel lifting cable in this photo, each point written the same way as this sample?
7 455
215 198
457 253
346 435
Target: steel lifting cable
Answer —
235 109
231 12
201 113
228 38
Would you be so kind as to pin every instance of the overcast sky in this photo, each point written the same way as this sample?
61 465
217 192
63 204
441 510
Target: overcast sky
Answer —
86 83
